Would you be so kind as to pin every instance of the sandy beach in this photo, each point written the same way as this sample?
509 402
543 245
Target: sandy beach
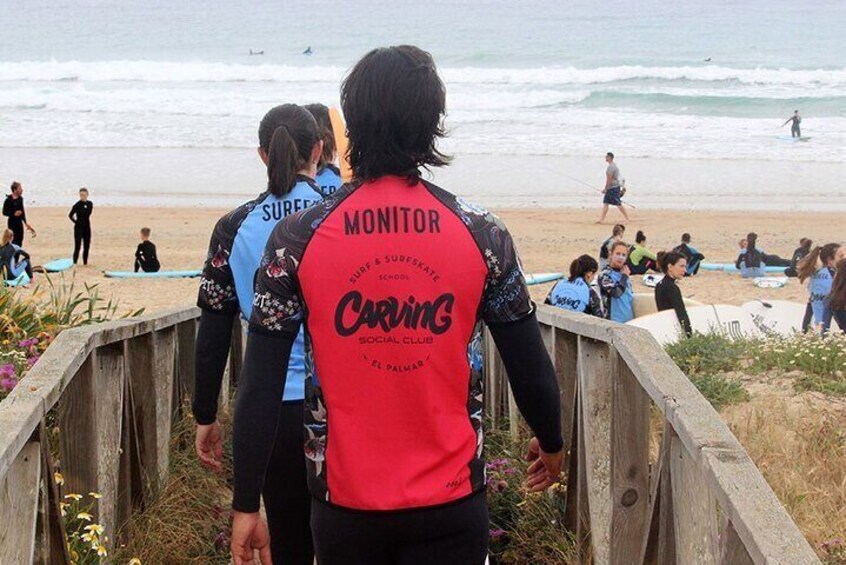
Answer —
548 239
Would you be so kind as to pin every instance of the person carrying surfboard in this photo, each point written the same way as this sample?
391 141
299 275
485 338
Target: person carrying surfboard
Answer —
818 269
393 279
328 176
615 285
667 293
795 130
575 293
291 146
612 190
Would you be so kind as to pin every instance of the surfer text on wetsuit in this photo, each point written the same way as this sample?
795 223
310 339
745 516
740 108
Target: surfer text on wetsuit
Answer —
837 298
667 293
641 259
80 215
13 208
795 131
393 279
575 293
290 146
615 285
328 176
146 258
818 269
612 191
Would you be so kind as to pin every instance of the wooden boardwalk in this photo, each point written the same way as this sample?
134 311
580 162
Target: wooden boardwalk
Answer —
116 388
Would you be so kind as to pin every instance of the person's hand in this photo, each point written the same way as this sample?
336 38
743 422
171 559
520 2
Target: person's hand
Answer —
249 533
18 213
604 190
545 468
626 271
209 445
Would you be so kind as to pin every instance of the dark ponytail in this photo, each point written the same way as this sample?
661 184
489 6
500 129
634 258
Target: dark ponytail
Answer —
287 134
751 241
667 258
327 134
640 237
581 266
808 266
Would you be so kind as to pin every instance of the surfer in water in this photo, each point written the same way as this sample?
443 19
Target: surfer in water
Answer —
795 131
612 191
575 293
667 293
308 51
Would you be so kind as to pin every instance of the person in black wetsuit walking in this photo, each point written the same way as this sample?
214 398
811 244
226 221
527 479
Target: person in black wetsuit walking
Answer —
13 208
667 293
80 215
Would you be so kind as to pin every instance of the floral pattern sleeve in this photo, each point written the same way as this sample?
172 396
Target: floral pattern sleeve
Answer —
217 287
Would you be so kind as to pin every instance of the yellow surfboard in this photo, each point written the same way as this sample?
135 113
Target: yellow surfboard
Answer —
339 128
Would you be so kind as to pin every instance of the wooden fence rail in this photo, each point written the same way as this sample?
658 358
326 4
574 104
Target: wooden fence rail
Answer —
114 390
702 501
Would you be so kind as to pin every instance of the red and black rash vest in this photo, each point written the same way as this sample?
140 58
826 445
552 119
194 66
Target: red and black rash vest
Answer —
393 283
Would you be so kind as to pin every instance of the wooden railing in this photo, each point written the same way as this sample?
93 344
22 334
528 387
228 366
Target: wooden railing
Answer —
114 390
702 501
111 391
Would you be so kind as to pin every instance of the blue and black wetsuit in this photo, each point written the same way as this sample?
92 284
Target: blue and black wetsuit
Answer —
617 295
576 296
226 290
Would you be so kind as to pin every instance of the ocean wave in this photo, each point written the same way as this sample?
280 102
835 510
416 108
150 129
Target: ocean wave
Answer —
200 71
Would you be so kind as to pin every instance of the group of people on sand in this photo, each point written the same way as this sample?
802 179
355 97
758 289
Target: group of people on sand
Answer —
604 288
14 260
366 304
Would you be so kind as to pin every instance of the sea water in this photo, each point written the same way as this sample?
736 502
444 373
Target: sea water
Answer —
153 102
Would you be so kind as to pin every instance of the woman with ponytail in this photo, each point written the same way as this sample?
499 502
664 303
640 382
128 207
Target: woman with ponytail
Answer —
328 176
290 146
575 293
641 259
667 293
818 269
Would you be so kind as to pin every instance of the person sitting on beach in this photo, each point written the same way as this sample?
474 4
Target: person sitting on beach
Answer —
145 255
818 269
667 293
613 191
693 256
13 259
615 286
750 260
575 293
837 297
641 259
328 176
605 249
800 253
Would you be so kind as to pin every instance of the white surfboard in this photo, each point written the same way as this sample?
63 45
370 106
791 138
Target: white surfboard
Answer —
731 321
652 279
776 317
643 304
770 282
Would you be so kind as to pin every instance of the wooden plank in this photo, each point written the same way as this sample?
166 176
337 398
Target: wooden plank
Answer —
77 415
140 362
629 465
586 326
595 386
566 369
695 510
165 348
659 544
186 334
54 549
577 509
19 493
109 387
732 550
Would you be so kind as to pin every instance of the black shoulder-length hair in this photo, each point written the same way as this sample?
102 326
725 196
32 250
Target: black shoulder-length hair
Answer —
394 103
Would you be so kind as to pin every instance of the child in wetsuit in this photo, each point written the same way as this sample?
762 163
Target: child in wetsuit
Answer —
145 255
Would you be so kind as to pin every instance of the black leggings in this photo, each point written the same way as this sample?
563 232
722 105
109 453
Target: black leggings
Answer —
455 534
17 234
81 238
286 497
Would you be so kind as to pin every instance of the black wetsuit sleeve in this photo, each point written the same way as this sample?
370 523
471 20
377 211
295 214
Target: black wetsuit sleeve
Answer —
74 213
7 207
532 378
612 288
260 388
212 351
594 305
674 296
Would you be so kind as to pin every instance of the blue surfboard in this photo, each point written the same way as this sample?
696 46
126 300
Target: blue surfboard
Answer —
21 280
730 268
160 275
540 278
58 265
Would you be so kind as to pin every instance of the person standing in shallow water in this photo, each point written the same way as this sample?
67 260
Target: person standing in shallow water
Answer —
613 190
795 130
80 215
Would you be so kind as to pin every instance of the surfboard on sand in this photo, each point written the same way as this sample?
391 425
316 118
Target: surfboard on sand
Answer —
159 275
731 321
339 129
540 278
643 304
652 279
58 265
770 282
21 280
730 268
776 317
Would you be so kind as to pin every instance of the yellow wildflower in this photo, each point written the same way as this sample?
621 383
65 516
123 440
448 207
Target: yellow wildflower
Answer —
95 529
101 551
91 538
63 506
73 496
134 561
95 495
60 480
84 516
